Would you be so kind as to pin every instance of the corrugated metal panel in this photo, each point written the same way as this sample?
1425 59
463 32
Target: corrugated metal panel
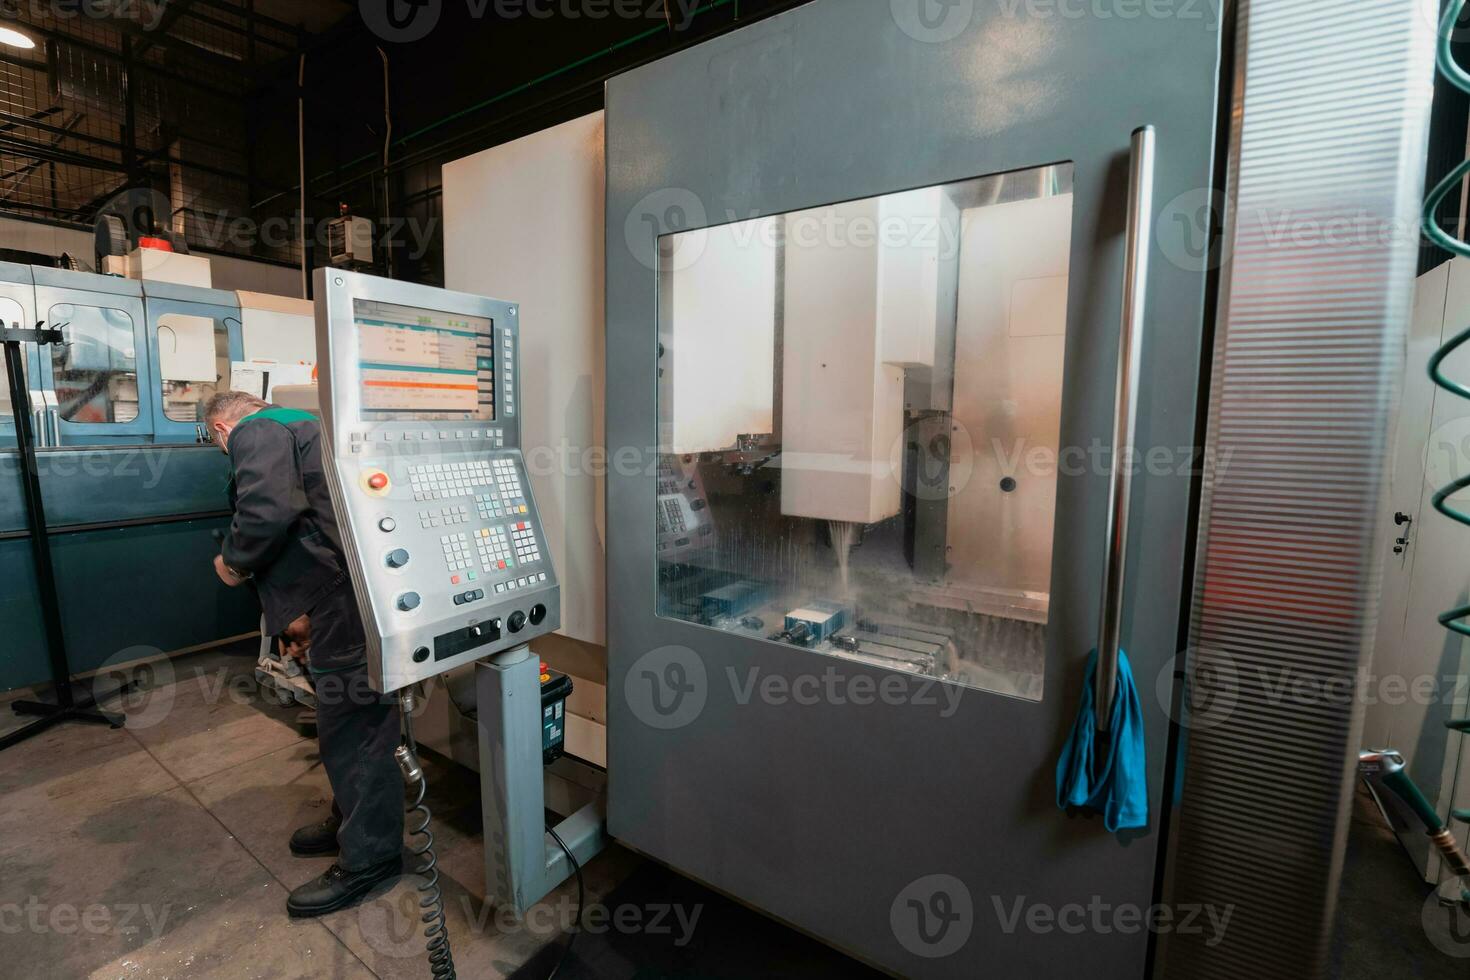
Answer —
1330 117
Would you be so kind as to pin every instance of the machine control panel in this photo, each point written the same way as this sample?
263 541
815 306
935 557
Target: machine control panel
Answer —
421 410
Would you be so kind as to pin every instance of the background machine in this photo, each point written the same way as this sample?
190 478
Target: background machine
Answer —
420 406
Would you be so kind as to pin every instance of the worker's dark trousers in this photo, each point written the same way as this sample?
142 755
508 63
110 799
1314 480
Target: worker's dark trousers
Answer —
358 730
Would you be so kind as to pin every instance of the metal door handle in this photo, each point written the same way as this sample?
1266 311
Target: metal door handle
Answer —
39 430
54 414
1125 419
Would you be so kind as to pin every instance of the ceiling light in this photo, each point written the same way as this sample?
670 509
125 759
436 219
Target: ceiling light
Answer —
13 38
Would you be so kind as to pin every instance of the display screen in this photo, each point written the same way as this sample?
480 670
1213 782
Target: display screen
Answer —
423 365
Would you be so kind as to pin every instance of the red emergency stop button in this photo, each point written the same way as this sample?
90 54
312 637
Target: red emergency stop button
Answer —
375 483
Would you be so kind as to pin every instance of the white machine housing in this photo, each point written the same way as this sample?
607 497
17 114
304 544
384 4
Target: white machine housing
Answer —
443 538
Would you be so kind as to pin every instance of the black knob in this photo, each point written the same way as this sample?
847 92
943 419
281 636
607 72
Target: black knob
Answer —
397 558
538 614
517 622
409 601
420 655
1401 518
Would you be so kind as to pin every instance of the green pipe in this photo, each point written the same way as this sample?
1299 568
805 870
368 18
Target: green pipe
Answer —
1453 619
1407 790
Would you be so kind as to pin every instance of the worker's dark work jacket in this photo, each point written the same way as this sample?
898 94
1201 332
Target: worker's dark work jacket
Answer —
284 532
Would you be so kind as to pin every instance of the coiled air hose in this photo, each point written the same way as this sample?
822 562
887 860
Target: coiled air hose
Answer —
1453 619
431 901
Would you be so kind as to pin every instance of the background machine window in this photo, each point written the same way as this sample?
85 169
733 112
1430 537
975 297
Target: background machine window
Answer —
95 372
193 357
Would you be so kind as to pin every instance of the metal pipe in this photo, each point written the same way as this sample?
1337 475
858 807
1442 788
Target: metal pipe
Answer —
1125 418
595 83
301 156
387 149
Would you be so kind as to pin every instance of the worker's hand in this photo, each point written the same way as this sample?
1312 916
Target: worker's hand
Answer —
225 575
296 639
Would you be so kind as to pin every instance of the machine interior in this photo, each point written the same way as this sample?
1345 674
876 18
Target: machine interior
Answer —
859 412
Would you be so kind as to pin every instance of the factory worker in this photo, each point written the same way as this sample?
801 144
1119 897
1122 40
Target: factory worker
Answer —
284 540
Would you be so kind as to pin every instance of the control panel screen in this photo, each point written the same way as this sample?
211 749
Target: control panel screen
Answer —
421 365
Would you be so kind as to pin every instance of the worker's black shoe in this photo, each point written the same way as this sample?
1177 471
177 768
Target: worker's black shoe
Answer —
318 839
339 889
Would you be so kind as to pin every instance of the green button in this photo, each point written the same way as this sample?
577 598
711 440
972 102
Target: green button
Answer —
473 576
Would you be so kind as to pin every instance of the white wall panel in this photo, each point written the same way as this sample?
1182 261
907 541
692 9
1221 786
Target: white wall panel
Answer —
524 222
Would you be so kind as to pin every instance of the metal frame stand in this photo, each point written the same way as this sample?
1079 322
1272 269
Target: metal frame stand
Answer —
522 863
68 706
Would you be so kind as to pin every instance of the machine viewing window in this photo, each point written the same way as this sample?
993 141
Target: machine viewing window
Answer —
193 357
423 365
95 372
859 415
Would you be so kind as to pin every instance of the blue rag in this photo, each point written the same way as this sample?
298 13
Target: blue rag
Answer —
1112 776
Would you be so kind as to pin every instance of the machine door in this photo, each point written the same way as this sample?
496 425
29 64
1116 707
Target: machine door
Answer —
98 382
866 285
190 347
18 306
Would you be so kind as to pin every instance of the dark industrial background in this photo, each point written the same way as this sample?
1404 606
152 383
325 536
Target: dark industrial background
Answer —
197 100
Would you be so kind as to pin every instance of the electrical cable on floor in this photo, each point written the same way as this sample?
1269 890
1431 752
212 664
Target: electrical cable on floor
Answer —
581 903
1453 619
431 902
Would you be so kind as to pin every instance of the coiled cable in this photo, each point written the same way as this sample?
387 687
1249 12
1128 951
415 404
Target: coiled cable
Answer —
431 900
1452 619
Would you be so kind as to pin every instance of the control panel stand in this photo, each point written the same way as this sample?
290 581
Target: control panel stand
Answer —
522 863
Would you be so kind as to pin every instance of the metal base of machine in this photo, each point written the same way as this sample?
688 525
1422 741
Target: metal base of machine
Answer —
68 709
522 863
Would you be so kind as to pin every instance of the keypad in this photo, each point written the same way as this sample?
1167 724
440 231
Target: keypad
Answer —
444 517
456 552
445 481
520 583
490 506
494 549
672 516
528 549
508 484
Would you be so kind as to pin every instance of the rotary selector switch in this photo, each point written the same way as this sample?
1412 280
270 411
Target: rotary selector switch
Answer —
409 601
397 558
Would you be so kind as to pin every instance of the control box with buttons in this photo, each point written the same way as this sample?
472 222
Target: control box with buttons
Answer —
421 415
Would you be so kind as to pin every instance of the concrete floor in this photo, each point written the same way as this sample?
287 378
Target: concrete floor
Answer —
160 851
1383 929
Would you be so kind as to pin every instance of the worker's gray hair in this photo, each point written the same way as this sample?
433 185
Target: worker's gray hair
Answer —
231 406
